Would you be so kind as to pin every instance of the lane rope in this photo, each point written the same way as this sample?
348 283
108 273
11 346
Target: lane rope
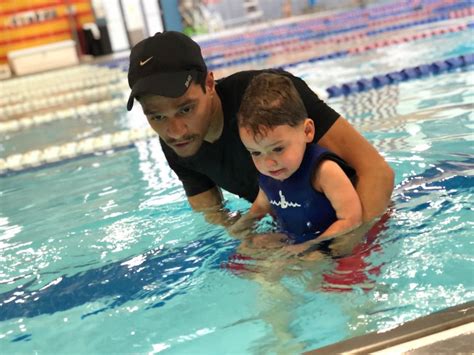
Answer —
73 150
396 77
65 152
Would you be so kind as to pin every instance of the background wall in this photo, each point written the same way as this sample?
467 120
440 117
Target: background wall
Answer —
234 13
215 15
29 23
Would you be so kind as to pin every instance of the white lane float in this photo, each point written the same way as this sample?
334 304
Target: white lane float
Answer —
87 110
71 150
31 159
103 92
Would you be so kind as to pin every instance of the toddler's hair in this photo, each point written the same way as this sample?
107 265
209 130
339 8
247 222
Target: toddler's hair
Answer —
270 100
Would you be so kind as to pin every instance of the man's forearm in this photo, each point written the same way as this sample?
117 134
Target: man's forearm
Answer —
211 205
220 216
375 191
375 177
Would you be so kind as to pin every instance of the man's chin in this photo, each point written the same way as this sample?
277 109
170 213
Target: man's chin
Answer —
185 155
187 150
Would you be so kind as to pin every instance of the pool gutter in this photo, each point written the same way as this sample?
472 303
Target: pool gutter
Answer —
454 322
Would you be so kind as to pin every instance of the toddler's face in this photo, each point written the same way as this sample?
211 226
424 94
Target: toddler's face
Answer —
279 152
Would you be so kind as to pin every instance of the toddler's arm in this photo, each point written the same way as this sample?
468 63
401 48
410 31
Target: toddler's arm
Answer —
331 180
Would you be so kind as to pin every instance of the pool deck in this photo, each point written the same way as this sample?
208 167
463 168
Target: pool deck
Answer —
448 331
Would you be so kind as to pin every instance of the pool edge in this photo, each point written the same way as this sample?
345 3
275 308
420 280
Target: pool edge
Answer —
416 329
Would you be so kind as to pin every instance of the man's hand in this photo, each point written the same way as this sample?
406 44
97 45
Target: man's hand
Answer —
243 226
303 251
210 204
265 241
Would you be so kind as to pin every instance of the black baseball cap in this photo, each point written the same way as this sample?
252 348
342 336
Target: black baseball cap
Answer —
164 65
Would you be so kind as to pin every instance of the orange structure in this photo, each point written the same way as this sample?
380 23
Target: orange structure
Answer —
30 23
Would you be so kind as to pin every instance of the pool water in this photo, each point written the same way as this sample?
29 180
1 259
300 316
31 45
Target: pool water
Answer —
104 255
384 60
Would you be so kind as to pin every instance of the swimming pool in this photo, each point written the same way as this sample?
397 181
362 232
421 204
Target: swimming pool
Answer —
104 255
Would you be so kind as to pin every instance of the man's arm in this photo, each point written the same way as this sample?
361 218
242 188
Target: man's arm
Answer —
203 195
375 178
211 198
209 203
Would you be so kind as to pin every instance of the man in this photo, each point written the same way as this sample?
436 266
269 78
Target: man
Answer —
195 118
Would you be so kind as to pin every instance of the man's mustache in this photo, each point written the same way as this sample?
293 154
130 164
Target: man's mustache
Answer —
188 138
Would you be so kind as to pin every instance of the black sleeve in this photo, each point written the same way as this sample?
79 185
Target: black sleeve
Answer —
348 170
322 115
193 182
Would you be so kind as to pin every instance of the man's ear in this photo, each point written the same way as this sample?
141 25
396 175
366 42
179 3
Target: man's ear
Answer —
210 83
309 130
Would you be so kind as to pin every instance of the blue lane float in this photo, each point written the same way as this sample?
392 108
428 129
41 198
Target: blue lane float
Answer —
419 71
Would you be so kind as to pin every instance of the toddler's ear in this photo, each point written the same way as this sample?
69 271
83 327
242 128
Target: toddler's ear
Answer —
309 129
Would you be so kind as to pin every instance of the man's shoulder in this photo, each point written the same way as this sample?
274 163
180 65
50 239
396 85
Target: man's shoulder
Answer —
240 76
235 84
231 90
245 76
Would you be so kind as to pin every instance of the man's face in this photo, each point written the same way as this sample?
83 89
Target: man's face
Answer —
184 122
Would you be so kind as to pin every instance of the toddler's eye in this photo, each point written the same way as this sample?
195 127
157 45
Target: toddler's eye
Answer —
278 149
255 154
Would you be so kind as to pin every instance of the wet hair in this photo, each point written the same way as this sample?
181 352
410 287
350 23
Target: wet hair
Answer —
270 100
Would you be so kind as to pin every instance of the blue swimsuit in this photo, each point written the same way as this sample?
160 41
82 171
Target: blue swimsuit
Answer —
302 212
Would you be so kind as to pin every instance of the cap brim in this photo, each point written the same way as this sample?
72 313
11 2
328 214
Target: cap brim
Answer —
163 84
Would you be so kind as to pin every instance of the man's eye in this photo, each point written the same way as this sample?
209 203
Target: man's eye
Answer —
157 117
186 109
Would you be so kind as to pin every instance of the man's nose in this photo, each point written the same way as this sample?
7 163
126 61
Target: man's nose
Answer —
176 128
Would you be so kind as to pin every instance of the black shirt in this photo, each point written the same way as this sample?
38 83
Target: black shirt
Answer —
225 162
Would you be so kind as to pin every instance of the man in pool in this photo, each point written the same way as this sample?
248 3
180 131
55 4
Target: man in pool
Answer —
196 119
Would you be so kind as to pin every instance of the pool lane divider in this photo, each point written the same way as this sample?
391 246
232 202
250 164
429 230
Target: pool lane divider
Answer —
318 40
420 71
86 110
52 83
273 45
246 54
379 43
411 37
408 16
73 150
90 146
102 96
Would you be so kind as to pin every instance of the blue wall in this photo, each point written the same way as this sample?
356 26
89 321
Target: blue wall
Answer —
171 16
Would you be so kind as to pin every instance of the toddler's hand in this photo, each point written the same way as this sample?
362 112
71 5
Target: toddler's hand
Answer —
269 240
264 241
298 251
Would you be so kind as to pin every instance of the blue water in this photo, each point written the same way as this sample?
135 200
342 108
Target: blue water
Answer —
104 255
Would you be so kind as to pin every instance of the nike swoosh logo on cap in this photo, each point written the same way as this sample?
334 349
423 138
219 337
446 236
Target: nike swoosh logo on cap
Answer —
142 63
